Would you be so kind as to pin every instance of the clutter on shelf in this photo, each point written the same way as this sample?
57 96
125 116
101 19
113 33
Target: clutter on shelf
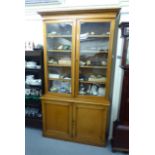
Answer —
32 65
32 113
61 87
30 80
92 89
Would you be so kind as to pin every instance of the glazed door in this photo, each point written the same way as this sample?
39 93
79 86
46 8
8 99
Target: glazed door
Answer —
93 57
57 119
59 57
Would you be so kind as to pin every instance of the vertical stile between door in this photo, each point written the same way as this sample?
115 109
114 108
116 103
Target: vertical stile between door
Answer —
77 57
112 27
73 56
45 58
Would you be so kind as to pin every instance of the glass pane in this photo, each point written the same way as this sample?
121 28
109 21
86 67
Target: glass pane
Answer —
59 29
94 40
59 50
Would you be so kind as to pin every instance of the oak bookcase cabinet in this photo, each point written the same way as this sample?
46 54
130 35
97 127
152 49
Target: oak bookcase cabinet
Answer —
78 56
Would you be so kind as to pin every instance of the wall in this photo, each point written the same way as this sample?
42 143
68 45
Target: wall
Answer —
124 16
34 31
33 27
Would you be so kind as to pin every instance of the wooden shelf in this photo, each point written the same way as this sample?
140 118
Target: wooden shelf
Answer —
65 51
91 51
57 65
92 82
58 36
94 67
59 79
94 37
99 36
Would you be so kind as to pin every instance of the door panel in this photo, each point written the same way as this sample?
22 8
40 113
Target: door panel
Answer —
90 124
60 50
57 119
92 57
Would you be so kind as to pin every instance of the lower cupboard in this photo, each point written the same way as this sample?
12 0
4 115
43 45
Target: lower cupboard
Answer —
80 122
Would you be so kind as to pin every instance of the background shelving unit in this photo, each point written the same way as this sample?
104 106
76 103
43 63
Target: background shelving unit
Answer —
33 111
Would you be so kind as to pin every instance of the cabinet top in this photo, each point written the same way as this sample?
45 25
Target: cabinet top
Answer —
79 11
96 101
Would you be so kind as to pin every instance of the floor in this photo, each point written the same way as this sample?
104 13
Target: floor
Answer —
36 144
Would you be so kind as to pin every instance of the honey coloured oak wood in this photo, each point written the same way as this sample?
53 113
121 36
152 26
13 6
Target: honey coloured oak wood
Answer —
57 119
90 124
78 48
75 120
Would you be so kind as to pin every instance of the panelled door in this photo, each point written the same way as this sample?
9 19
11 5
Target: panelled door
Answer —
90 123
57 119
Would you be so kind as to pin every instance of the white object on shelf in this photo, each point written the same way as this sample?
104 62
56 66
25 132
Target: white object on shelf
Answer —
35 82
29 76
31 64
31 81
27 91
64 61
101 91
53 75
93 90
53 32
29 45
60 47
103 62
67 78
92 33
84 36
82 63
38 67
93 79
